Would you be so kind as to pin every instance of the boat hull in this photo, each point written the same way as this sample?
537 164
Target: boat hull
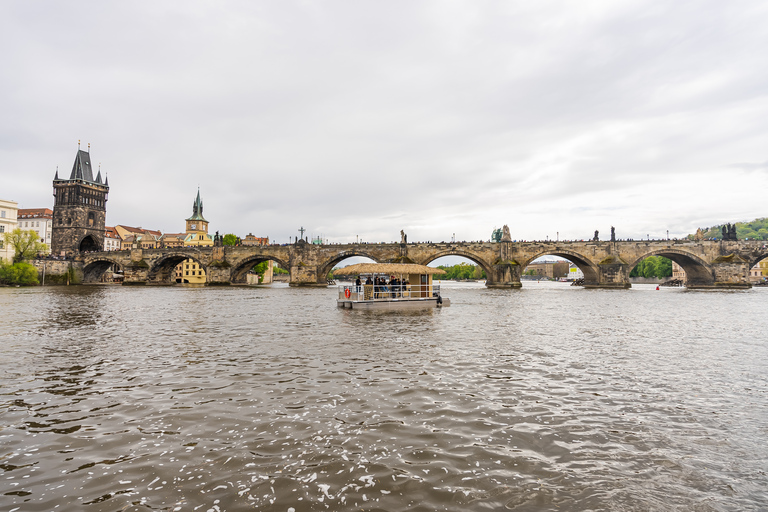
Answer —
425 303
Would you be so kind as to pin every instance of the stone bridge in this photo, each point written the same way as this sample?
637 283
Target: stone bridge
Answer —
708 264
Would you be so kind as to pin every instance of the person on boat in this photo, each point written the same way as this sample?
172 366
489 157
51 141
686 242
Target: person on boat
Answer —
384 287
357 284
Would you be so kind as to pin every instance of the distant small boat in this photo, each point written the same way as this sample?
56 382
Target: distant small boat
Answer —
391 286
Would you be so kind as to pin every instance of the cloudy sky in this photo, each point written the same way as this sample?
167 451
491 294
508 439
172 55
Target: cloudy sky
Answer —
359 119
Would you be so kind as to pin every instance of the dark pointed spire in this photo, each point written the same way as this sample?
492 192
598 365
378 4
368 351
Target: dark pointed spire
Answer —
199 203
81 170
57 173
197 208
106 180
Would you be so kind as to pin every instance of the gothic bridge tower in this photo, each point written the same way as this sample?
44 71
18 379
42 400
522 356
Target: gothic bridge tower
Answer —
79 209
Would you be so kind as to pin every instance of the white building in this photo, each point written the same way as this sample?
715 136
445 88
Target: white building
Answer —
574 272
112 239
8 213
39 220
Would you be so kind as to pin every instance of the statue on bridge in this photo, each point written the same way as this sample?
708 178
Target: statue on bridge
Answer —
505 235
613 234
699 234
403 237
729 233
596 238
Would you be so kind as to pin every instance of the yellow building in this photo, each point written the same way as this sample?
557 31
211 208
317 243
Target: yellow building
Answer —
189 271
759 272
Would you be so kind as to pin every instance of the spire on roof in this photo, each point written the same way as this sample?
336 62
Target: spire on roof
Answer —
57 173
199 203
197 208
81 170
106 180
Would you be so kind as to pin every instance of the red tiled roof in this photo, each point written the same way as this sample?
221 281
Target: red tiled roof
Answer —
35 213
141 231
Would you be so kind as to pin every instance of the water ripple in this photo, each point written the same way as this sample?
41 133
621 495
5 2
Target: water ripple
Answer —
548 398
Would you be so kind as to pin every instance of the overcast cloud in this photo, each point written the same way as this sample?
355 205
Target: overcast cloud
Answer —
365 118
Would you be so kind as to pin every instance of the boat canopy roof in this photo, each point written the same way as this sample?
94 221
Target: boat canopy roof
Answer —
387 268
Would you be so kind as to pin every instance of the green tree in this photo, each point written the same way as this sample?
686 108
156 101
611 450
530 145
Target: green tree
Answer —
261 268
663 267
229 239
26 244
22 274
461 271
653 266
754 230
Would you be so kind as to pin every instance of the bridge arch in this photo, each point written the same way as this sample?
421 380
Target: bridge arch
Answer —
95 267
697 271
486 266
88 244
754 260
161 270
590 270
327 266
241 268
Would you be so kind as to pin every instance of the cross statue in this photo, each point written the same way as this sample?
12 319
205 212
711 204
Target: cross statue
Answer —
302 232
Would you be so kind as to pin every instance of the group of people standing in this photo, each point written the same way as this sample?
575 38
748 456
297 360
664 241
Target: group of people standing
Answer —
381 287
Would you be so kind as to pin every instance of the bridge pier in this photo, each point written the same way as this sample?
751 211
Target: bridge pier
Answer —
504 275
305 275
613 274
136 269
730 273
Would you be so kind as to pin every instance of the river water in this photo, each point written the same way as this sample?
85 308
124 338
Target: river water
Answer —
547 398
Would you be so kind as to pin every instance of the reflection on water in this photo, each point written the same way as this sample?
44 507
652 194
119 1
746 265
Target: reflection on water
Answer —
546 398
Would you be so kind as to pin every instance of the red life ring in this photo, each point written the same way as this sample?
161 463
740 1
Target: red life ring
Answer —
347 293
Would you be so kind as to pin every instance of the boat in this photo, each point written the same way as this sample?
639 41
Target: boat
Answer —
390 286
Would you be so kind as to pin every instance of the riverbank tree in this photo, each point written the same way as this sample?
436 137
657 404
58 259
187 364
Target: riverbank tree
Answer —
653 266
462 271
22 274
25 243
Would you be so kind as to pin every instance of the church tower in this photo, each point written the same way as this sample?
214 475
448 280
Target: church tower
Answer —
79 209
197 223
